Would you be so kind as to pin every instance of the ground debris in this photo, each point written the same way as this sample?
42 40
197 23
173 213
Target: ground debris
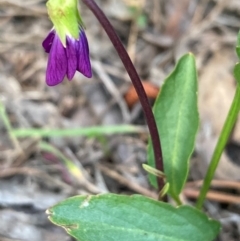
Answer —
32 178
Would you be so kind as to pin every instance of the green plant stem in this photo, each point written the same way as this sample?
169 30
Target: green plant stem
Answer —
222 141
93 131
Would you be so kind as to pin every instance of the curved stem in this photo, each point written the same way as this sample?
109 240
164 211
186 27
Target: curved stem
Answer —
222 141
136 83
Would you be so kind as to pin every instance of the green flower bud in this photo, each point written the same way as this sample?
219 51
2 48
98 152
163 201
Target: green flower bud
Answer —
65 17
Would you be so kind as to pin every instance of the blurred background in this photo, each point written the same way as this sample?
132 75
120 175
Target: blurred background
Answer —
37 171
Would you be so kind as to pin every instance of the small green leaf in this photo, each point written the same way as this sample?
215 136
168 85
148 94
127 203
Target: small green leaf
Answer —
153 171
131 218
164 191
177 120
236 72
142 21
238 51
238 45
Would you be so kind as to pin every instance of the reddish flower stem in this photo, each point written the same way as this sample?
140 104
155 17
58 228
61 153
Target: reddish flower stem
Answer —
136 83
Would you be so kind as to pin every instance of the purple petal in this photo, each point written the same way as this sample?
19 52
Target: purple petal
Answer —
57 63
47 42
71 52
83 65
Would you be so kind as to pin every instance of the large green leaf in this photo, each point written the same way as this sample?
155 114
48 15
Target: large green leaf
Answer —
111 217
177 120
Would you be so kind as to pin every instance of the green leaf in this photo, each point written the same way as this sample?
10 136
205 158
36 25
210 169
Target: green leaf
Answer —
142 21
238 51
177 120
236 72
131 218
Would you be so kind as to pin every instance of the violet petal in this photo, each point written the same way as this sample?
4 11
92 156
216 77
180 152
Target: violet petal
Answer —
57 63
71 52
47 42
83 65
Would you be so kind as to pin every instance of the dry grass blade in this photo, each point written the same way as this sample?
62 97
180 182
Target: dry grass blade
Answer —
216 184
213 196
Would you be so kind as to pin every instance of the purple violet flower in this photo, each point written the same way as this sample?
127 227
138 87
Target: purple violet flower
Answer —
66 60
